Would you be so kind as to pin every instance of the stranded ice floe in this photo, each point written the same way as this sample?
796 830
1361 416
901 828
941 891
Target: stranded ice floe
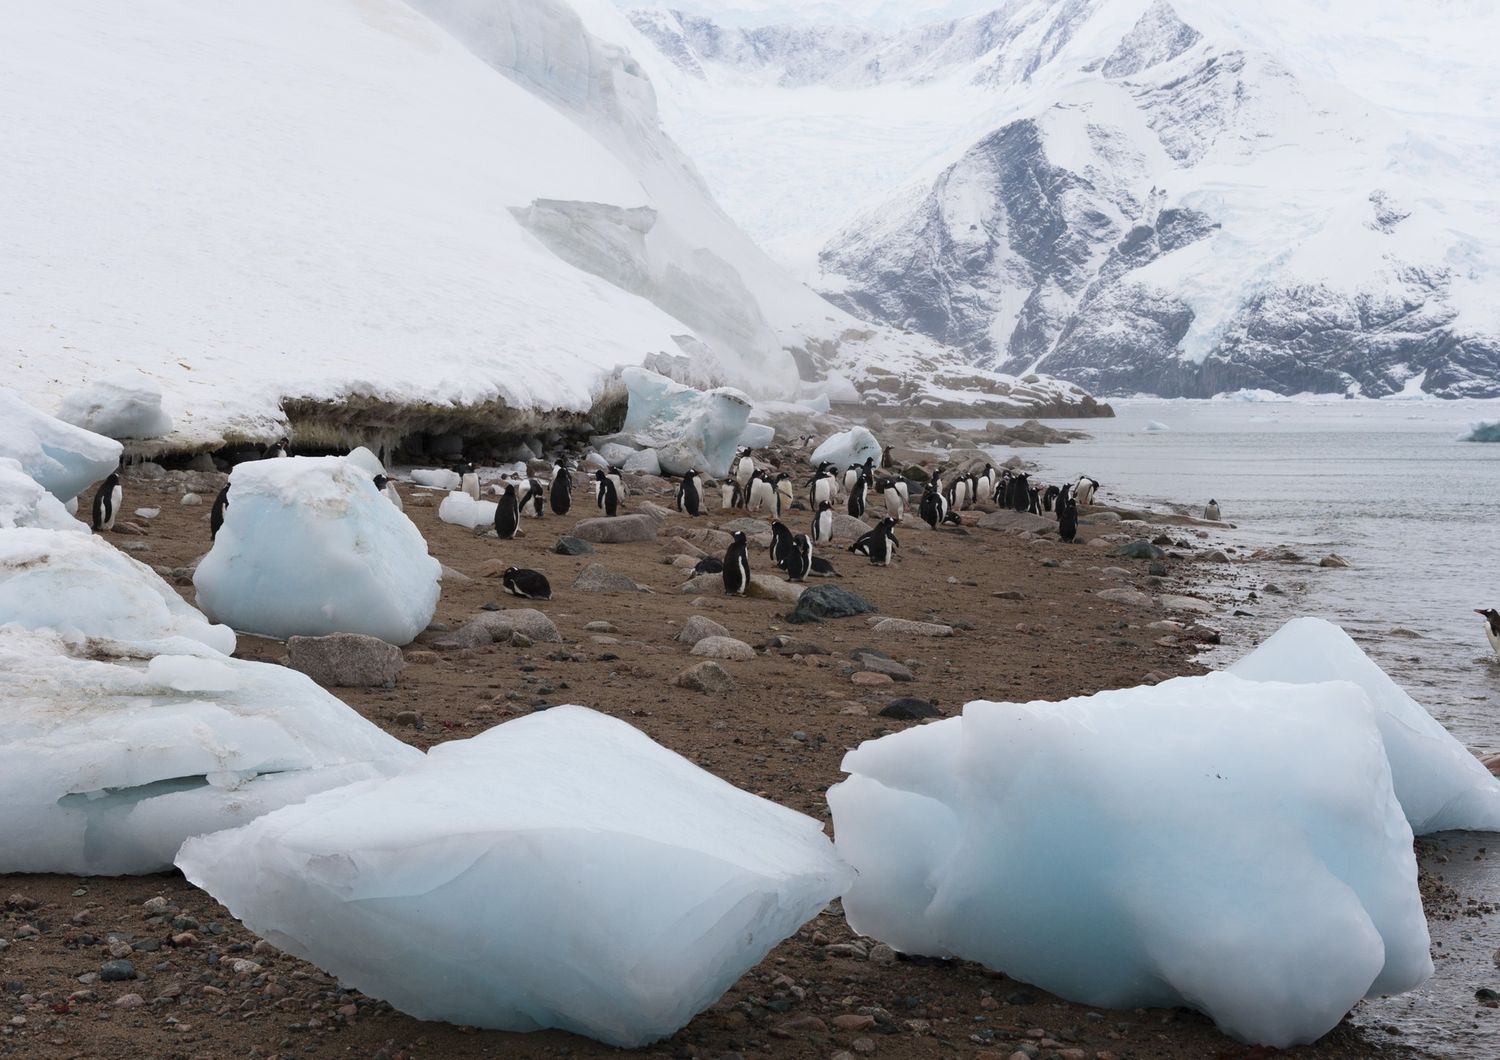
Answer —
560 870
312 547
62 458
1229 845
122 406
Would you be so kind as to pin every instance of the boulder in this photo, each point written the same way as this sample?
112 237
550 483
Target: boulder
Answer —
850 528
723 648
828 601
1010 520
1133 597
705 677
617 531
1140 550
905 626
491 626
909 708
346 660
697 627
574 546
597 578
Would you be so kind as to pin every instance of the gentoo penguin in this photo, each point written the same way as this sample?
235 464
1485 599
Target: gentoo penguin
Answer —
729 494
562 489
536 496
822 488
388 489
690 493
606 495
799 559
743 470
762 493
850 477
1492 626
508 514
886 462
857 494
737 566
879 544
216 513
1035 507
1063 493
895 500
781 543
783 485
821 568
822 524
1085 489
1067 520
933 506
709 565
1021 492
468 480
527 584
617 476
1049 498
107 502
273 451
1212 511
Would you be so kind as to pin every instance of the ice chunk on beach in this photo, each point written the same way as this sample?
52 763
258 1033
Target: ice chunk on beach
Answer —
122 406
1224 844
81 585
560 870
116 752
462 510
314 548
23 502
62 458
437 478
1440 784
757 435
854 446
688 428
360 456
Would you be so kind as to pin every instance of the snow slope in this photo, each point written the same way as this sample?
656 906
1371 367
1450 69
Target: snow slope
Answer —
1178 197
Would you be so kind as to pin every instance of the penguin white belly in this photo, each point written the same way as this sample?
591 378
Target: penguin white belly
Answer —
470 484
894 503
762 495
744 471
116 495
394 497
1493 637
822 491
726 495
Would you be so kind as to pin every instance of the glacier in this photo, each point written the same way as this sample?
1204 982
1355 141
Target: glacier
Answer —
1233 846
559 870
310 547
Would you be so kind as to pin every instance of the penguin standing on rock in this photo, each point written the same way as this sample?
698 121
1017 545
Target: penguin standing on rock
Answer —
216 513
562 489
799 559
879 544
886 461
1492 626
1067 520
781 543
737 566
527 584
508 514
606 496
107 502
822 524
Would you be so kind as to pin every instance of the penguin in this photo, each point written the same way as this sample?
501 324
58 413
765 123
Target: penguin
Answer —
821 568
985 484
107 502
468 480
762 493
1067 521
857 495
536 496
1035 506
690 493
879 544
799 558
1001 496
562 489
886 462
823 488
744 470
388 489
729 494
895 501
1049 498
278 450
737 566
1020 486
1492 626
606 495
1085 489
783 485
216 513
617 476
709 565
958 493
781 543
822 524
1063 494
1211 512
527 584
933 507
850 477
508 514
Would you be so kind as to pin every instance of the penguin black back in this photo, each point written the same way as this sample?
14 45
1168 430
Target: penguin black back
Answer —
737 566
107 502
562 490
799 558
688 498
527 584
607 497
781 543
508 514
1067 520
216 513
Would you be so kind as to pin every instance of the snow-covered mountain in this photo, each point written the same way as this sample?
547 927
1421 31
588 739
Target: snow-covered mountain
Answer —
1174 196
375 209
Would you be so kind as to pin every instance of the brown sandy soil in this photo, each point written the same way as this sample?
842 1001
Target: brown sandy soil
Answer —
1025 631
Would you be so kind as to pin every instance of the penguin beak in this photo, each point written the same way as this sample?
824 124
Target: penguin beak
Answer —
1477 611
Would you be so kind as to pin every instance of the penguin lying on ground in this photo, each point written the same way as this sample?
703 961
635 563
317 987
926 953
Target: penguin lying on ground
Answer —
527 584
737 566
107 500
821 568
1492 626
709 565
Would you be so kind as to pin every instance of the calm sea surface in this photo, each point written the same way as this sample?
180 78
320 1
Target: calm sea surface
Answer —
1393 488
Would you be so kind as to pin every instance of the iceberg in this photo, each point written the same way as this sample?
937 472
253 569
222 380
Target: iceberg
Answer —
1229 845
462 510
82 586
62 458
561 870
23 502
688 428
116 752
1440 784
314 548
122 406
854 446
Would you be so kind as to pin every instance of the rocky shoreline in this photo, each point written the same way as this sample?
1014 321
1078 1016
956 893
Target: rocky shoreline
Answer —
151 966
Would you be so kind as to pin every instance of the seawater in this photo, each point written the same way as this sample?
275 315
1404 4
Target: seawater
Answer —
1393 488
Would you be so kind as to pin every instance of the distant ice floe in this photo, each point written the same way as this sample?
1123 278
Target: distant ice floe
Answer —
1230 845
119 407
311 547
62 458
853 446
560 870
688 428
